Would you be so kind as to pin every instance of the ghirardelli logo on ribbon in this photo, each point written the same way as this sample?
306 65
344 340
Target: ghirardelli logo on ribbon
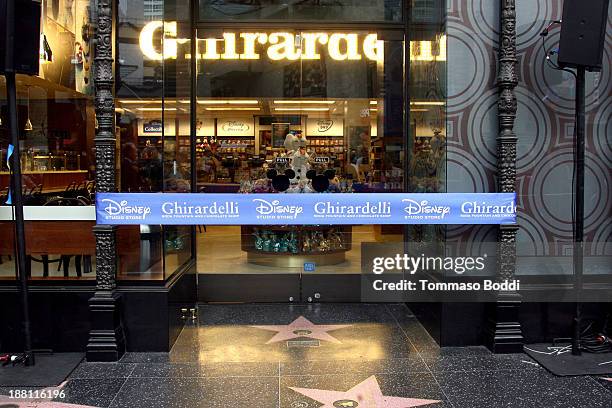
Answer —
423 210
323 125
121 210
274 209
485 209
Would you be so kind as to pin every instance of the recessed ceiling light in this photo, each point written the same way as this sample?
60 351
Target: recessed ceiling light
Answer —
155 109
304 102
140 101
228 102
231 109
428 103
302 109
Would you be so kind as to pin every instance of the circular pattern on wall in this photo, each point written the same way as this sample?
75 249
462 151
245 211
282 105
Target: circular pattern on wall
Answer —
602 130
531 239
550 192
602 240
483 16
482 241
483 129
533 130
463 175
471 67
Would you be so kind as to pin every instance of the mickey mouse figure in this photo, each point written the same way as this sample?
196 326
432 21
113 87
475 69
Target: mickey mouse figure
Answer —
321 175
281 175
320 182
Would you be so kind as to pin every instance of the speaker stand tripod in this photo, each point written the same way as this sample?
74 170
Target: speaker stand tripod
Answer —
578 258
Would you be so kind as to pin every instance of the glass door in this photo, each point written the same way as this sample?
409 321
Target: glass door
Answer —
296 112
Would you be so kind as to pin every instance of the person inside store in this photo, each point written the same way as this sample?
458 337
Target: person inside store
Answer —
209 163
293 141
130 176
151 168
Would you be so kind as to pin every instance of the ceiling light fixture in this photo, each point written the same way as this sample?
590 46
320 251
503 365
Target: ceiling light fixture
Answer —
231 109
228 102
141 101
428 103
301 109
155 109
302 102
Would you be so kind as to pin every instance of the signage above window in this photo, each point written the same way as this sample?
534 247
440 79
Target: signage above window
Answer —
278 46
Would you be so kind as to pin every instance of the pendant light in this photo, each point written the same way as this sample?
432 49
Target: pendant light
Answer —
28 125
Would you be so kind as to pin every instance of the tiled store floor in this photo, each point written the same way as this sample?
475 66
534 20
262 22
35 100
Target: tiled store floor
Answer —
322 355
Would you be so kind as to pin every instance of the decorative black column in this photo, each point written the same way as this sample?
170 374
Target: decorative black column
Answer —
106 339
504 334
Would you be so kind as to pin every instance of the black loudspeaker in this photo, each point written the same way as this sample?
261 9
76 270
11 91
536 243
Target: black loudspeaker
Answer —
27 36
583 31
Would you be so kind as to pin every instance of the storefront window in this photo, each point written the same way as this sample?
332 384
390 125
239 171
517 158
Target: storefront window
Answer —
427 131
153 125
314 10
56 124
320 113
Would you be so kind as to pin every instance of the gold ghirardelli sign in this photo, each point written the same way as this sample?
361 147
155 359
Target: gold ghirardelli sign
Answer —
275 46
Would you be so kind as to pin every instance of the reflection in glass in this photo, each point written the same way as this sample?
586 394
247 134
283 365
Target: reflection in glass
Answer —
313 10
153 127
427 128
278 122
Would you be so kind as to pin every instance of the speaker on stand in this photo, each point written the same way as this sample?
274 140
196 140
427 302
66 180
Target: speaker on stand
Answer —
27 31
583 33
583 30
19 54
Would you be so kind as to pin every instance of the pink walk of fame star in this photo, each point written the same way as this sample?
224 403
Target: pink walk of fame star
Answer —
302 327
366 394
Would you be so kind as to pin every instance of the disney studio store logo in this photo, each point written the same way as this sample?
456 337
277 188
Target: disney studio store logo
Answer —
123 211
275 210
423 210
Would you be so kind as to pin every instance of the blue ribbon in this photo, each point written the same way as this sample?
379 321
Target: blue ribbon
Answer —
305 209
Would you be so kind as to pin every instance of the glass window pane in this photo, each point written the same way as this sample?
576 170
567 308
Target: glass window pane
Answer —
314 10
56 128
326 102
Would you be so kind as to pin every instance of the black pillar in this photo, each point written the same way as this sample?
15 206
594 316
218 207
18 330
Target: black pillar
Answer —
503 329
106 338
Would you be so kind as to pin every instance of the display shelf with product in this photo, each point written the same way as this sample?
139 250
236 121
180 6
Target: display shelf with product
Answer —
270 245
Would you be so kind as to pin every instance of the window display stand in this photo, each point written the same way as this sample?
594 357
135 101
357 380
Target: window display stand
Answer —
293 246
